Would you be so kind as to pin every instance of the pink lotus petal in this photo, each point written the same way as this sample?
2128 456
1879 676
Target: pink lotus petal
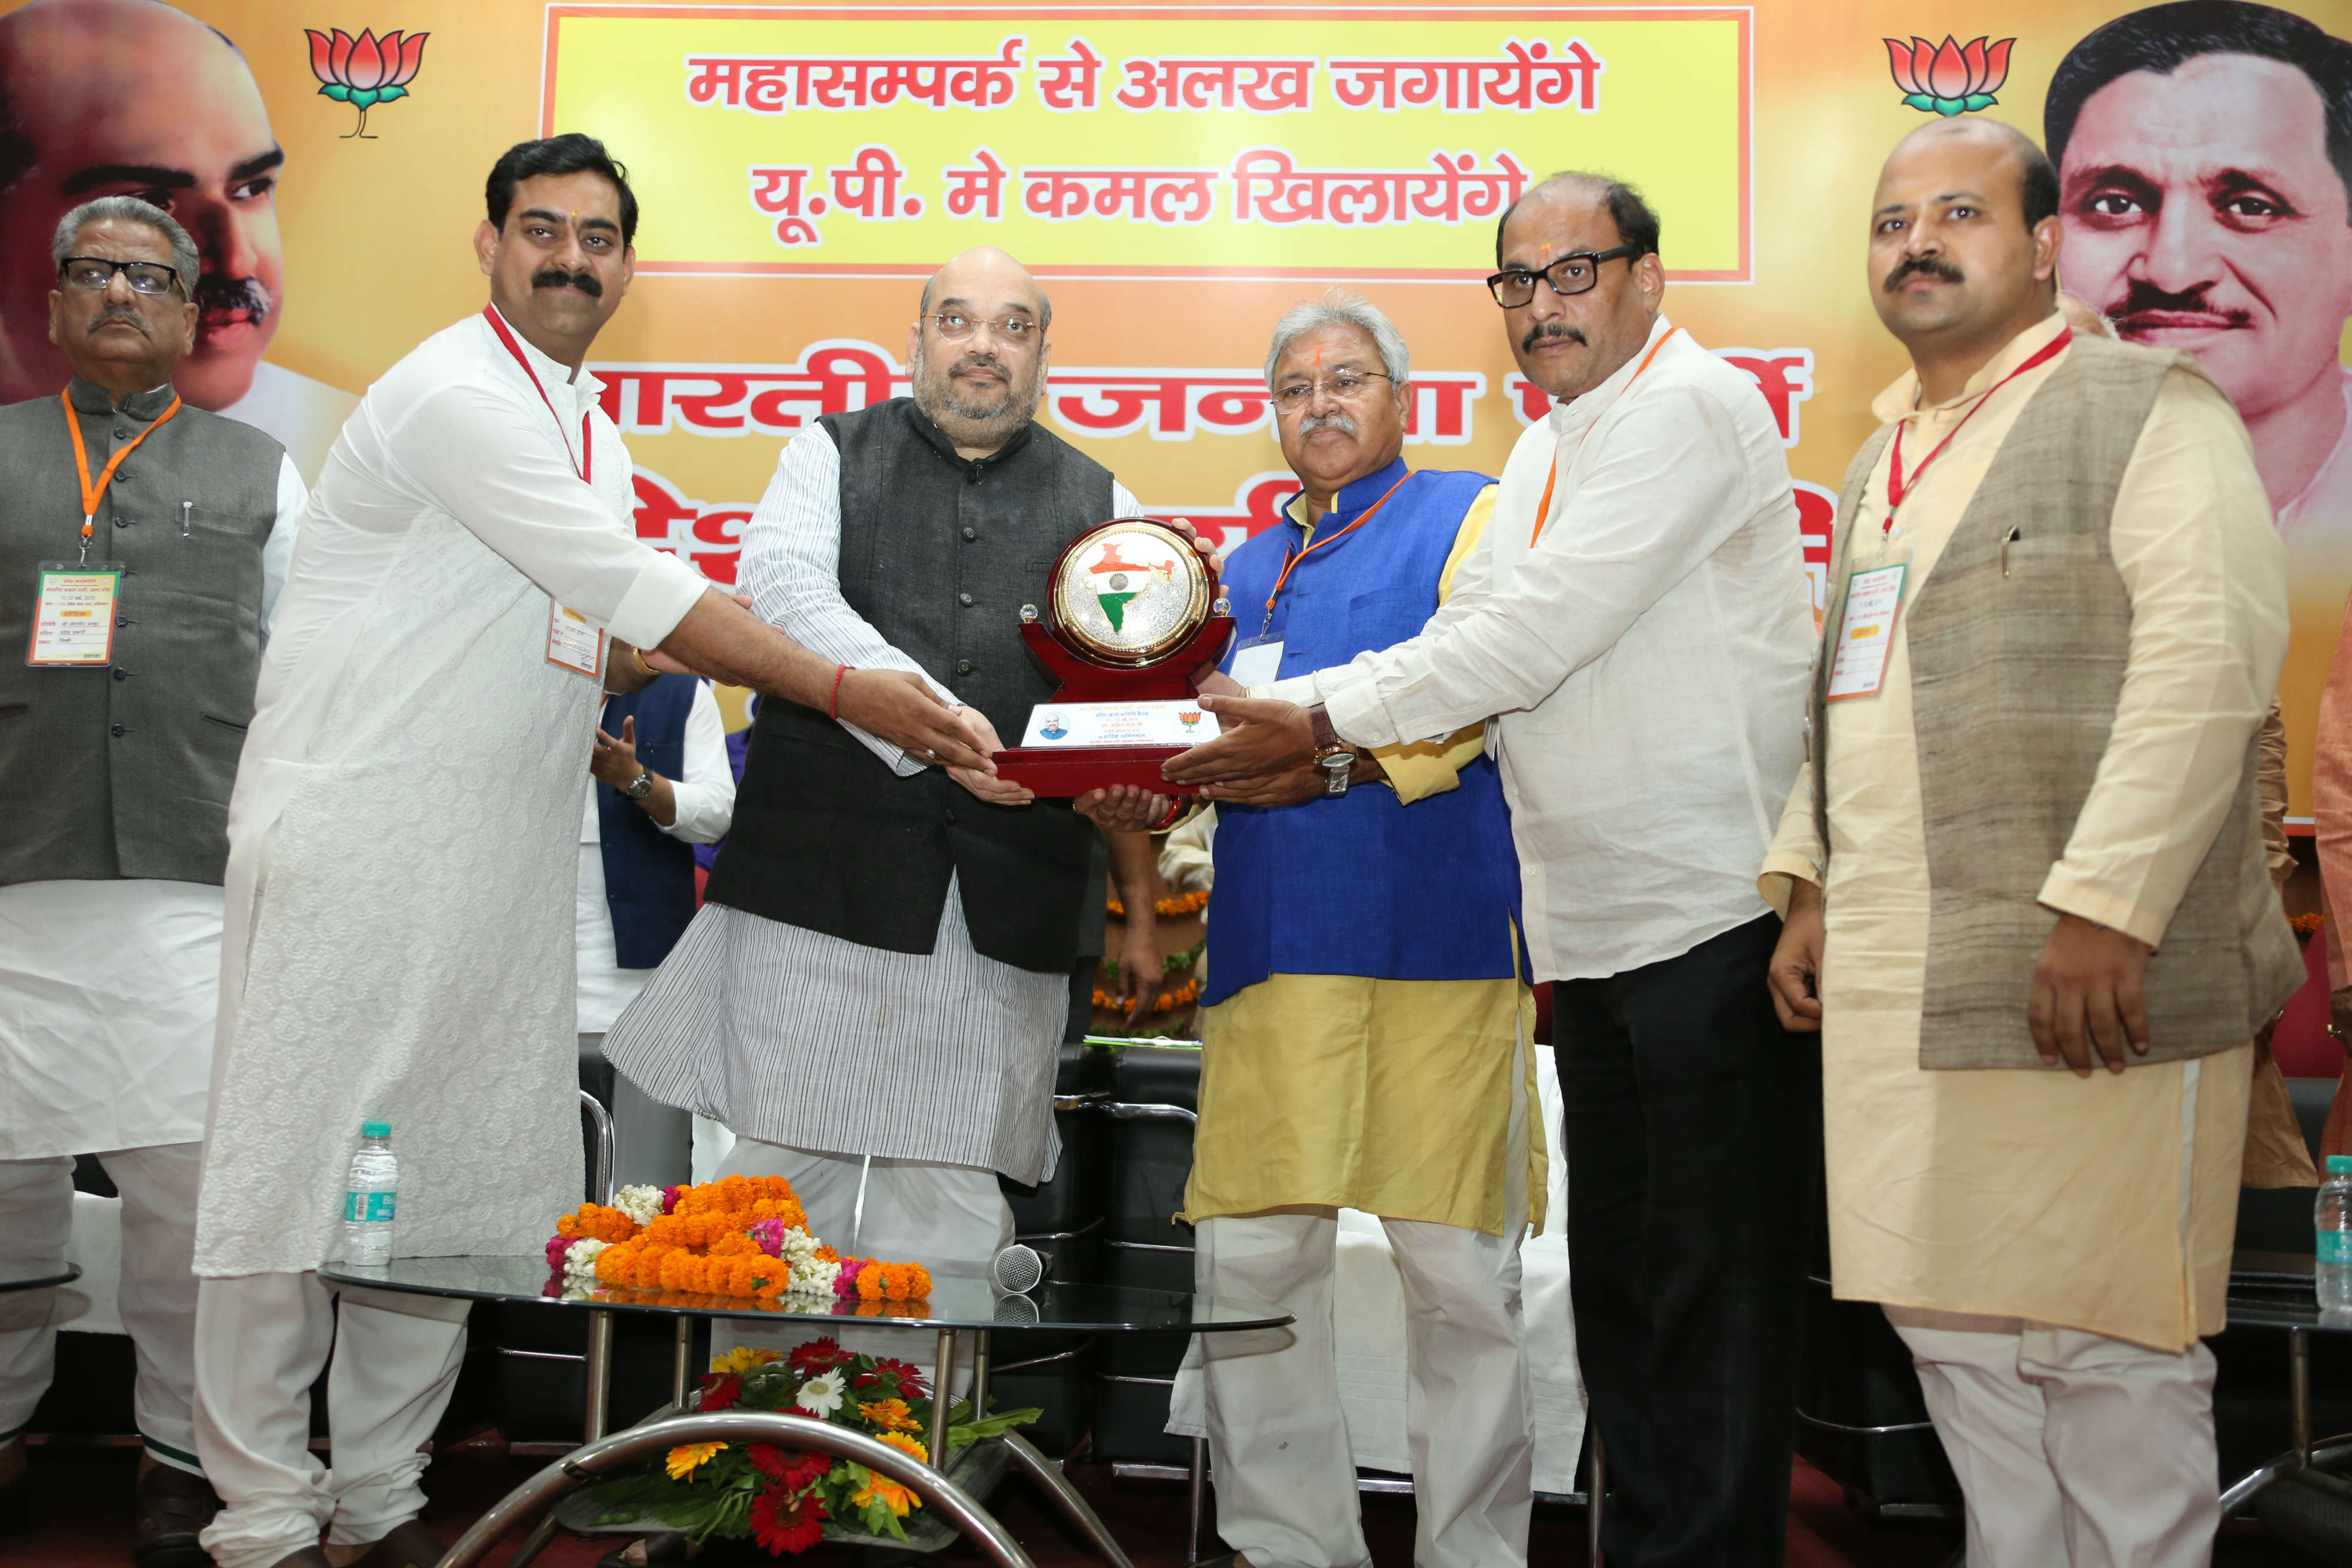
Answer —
1949 77
339 57
1973 56
1997 66
1898 60
322 55
411 55
366 64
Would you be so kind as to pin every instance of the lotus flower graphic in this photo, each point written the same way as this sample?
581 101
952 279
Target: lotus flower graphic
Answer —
1946 78
366 70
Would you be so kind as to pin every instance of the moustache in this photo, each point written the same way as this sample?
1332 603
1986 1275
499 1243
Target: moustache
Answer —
1335 420
2144 305
219 295
1928 266
556 278
975 362
124 313
1538 333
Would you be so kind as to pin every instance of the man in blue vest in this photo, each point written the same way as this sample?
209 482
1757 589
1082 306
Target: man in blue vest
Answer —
1362 1042
661 784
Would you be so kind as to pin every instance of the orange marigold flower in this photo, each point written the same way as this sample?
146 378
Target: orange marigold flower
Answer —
912 1448
892 1417
879 1488
686 1458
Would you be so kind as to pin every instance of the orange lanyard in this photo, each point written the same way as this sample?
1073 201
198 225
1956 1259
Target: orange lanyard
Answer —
1898 486
584 464
1319 543
93 492
1543 507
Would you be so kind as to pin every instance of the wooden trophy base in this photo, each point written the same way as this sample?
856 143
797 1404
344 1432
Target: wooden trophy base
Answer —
1066 772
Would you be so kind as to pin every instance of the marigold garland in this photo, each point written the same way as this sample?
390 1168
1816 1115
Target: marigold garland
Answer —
744 1236
2307 925
1183 996
1183 904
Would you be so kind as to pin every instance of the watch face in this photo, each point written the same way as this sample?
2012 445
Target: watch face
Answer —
1130 593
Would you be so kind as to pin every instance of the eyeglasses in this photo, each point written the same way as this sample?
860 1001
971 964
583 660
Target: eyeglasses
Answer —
955 326
96 272
1574 273
1346 386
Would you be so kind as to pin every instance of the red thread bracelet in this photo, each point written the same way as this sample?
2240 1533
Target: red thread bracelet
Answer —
833 708
1175 809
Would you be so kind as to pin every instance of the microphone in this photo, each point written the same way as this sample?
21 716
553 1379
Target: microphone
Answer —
1019 1270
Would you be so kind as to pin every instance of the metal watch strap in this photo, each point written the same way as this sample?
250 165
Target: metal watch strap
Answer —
1338 763
640 787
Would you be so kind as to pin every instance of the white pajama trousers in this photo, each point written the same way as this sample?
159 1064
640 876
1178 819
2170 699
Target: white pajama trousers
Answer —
950 1219
156 1296
2074 1450
1278 1448
261 1340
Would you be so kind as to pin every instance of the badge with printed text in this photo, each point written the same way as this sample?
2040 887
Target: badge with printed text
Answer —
574 644
1866 632
73 615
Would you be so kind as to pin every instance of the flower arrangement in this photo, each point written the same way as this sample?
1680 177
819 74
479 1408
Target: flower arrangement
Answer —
1174 908
741 1236
783 1498
2307 924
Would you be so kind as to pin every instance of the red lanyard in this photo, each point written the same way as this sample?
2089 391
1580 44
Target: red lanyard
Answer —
1898 486
1319 543
1543 507
585 464
93 491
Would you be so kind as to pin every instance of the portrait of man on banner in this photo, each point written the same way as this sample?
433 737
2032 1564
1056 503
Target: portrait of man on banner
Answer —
104 97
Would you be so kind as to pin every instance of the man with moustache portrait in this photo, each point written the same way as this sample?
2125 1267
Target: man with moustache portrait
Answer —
132 97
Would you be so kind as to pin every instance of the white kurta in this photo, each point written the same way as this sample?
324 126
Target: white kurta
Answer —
705 797
114 986
401 837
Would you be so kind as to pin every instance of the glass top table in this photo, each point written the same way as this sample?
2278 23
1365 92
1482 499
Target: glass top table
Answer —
34 1274
959 1304
2277 1290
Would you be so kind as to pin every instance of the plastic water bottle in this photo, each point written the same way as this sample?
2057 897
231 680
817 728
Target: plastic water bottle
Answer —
368 1200
2332 1215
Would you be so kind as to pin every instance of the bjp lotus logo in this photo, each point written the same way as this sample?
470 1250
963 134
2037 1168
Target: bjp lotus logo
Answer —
366 70
1944 78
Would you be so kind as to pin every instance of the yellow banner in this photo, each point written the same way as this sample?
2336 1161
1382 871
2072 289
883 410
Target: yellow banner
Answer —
805 142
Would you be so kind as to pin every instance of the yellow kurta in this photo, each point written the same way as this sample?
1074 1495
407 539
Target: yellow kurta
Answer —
1390 1096
2104 1204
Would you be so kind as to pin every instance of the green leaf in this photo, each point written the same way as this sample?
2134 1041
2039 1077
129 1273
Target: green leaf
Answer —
364 97
1950 106
337 92
1977 101
387 95
1920 102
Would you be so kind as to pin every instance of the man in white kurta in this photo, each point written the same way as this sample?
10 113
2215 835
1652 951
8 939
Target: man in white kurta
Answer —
403 855
2049 1245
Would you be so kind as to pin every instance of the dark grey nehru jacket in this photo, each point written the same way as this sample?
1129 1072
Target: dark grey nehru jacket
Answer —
124 771
939 554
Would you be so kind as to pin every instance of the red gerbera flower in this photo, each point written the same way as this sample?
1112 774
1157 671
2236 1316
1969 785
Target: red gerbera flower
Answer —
910 1378
819 1355
720 1390
782 1525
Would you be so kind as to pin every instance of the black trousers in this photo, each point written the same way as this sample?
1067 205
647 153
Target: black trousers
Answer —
1693 1126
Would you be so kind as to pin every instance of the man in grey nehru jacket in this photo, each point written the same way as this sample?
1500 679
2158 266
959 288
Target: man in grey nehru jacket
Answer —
141 546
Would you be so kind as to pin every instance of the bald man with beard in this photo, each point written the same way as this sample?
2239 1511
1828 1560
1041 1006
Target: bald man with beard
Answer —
104 97
880 932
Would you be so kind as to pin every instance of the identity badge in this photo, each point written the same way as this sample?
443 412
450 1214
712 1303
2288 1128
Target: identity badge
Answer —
574 644
1258 662
73 615
1866 632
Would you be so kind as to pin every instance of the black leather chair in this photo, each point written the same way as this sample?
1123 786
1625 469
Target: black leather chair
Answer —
1154 1102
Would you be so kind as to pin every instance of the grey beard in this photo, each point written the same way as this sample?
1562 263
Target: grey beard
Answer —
973 423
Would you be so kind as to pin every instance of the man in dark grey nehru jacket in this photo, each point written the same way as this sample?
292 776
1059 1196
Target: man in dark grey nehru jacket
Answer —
879 931
141 546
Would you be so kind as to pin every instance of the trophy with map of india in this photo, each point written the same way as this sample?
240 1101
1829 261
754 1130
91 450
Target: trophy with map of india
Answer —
1132 620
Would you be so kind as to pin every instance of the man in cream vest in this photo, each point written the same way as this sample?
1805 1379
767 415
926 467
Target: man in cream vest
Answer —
2027 901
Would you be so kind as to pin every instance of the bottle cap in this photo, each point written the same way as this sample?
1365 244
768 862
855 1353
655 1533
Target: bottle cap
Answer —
376 1129
2339 1164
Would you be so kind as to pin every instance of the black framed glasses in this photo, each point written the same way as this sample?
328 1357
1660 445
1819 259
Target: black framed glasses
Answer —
1574 273
93 273
1345 385
955 326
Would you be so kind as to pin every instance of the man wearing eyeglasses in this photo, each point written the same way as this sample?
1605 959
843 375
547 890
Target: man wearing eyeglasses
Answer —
1637 624
878 931
142 544
1361 1045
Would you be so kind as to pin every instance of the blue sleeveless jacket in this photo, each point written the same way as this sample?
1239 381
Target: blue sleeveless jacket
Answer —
1361 884
648 875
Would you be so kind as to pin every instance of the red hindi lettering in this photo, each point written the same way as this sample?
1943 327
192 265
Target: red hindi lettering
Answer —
1269 187
1068 82
1785 377
1528 78
977 190
868 186
1260 86
778 83
1166 196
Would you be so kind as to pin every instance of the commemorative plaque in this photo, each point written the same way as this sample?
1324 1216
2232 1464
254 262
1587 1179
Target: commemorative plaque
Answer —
1131 619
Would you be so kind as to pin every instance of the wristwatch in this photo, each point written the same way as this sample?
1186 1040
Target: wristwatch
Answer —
1337 762
640 787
